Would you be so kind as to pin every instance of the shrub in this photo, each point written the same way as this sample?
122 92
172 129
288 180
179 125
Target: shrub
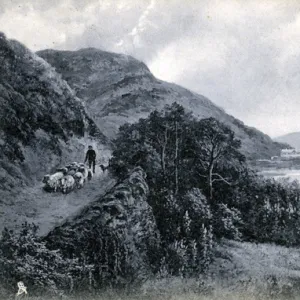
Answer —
23 257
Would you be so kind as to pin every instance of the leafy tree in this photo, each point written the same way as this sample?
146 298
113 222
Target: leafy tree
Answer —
174 149
216 149
177 152
200 184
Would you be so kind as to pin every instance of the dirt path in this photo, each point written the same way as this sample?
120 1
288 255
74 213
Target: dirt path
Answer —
47 210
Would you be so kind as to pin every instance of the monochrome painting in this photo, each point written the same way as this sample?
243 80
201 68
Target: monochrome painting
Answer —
149 149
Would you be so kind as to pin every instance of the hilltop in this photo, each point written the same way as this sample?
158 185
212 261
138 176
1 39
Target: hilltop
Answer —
117 88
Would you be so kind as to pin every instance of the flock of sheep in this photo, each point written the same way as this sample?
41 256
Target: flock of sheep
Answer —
65 180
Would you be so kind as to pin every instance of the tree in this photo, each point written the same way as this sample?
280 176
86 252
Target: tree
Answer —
215 148
157 144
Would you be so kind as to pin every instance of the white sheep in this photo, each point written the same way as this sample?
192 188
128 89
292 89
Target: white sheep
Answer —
79 179
52 182
67 184
74 165
84 172
72 172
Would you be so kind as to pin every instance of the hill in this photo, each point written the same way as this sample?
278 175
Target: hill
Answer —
43 124
117 88
292 139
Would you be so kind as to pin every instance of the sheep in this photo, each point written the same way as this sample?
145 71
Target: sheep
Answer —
63 170
52 182
67 183
79 179
72 172
74 165
84 172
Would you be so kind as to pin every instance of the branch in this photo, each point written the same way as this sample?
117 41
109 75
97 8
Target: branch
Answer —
158 140
201 175
219 152
203 164
220 179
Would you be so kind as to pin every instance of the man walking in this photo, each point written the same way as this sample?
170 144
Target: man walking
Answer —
91 158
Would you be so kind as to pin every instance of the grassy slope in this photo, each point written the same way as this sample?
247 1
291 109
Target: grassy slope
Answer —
257 264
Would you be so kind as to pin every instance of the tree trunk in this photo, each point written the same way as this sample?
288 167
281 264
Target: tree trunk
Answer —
210 183
176 158
163 153
162 160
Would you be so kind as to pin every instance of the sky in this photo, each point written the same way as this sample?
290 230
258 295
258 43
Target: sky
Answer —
242 55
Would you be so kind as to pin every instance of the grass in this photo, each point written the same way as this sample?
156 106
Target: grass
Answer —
190 289
241 271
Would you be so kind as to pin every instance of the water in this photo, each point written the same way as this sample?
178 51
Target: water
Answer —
282 173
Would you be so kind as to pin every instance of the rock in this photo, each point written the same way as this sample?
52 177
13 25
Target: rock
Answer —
117 233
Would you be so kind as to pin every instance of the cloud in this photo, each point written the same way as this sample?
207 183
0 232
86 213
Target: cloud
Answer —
143 24
243 55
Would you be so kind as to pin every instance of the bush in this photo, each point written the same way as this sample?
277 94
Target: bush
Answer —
23 257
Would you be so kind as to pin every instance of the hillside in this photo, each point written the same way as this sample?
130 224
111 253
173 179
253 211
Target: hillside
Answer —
292 139
118 89
43 124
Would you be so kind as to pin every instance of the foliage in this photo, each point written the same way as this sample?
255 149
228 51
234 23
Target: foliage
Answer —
178 152
23 257
215 151
228 222
186 159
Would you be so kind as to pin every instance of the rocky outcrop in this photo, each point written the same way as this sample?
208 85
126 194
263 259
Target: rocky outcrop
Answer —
41 119
117 233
